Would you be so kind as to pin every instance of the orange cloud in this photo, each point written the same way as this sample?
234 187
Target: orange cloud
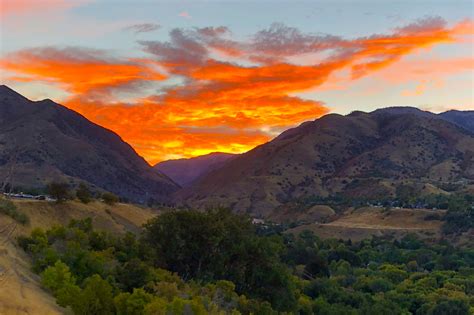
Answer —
207 104
154 133
80 72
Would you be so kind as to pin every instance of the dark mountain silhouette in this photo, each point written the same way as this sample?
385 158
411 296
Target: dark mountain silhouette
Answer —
44 141
359 155
186 171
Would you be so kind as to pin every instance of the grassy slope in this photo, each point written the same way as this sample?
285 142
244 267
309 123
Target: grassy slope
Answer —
21 292
365 222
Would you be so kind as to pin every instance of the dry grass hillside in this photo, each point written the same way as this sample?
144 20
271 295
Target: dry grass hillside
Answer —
20 291
358 224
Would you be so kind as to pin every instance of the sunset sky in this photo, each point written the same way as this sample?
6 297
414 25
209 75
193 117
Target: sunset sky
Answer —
180 79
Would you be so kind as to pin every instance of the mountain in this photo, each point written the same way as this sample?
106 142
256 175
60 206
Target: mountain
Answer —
186 171
44 141
362 155
464 119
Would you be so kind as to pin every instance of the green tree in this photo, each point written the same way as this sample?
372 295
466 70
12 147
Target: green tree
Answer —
451 306
62 283
132 304
57 276
96 298
83 193
59 191
110 198
133 274
218 244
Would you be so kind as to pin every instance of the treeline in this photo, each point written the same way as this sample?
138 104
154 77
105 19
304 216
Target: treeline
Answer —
188 262
460 215
62 192
404 199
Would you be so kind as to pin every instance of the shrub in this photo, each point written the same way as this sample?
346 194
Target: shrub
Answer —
8 208
109 198
59 191
83 193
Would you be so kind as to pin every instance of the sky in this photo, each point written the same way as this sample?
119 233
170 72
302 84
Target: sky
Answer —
185 78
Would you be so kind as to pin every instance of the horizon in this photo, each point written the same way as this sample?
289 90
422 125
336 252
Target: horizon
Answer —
219 152
177 82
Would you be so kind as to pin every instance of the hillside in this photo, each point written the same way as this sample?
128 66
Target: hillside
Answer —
44 141
361 155
363 223
186 171
21 292
464 119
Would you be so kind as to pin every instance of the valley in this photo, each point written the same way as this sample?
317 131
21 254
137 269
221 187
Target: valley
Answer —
323 206
244 157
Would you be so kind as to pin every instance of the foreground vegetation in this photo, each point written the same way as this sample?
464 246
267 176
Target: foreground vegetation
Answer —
8 208
219 263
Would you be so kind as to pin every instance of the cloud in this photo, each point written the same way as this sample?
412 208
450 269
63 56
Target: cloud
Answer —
180 53
159 131
281 40
425 25
216 93
84 72
143 28
184 14
419 89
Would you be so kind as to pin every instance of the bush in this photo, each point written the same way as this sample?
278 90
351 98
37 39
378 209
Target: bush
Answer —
83 193
110 198
59 191
8 208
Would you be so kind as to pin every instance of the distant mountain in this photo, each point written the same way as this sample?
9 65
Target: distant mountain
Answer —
186 171
44 141
358 155
464 119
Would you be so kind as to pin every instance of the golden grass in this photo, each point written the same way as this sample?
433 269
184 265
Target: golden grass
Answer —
366 222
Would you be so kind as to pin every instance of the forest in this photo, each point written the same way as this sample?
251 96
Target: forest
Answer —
217 262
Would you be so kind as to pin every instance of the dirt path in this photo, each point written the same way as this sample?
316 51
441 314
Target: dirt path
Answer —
376 227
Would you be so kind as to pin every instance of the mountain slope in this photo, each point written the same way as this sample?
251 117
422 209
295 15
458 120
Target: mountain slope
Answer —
185 171
361 155
464 119
44 141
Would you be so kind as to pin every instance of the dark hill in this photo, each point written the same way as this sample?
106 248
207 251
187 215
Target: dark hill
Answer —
44 141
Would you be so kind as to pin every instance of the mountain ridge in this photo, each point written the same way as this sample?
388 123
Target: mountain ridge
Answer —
327 156
43 141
